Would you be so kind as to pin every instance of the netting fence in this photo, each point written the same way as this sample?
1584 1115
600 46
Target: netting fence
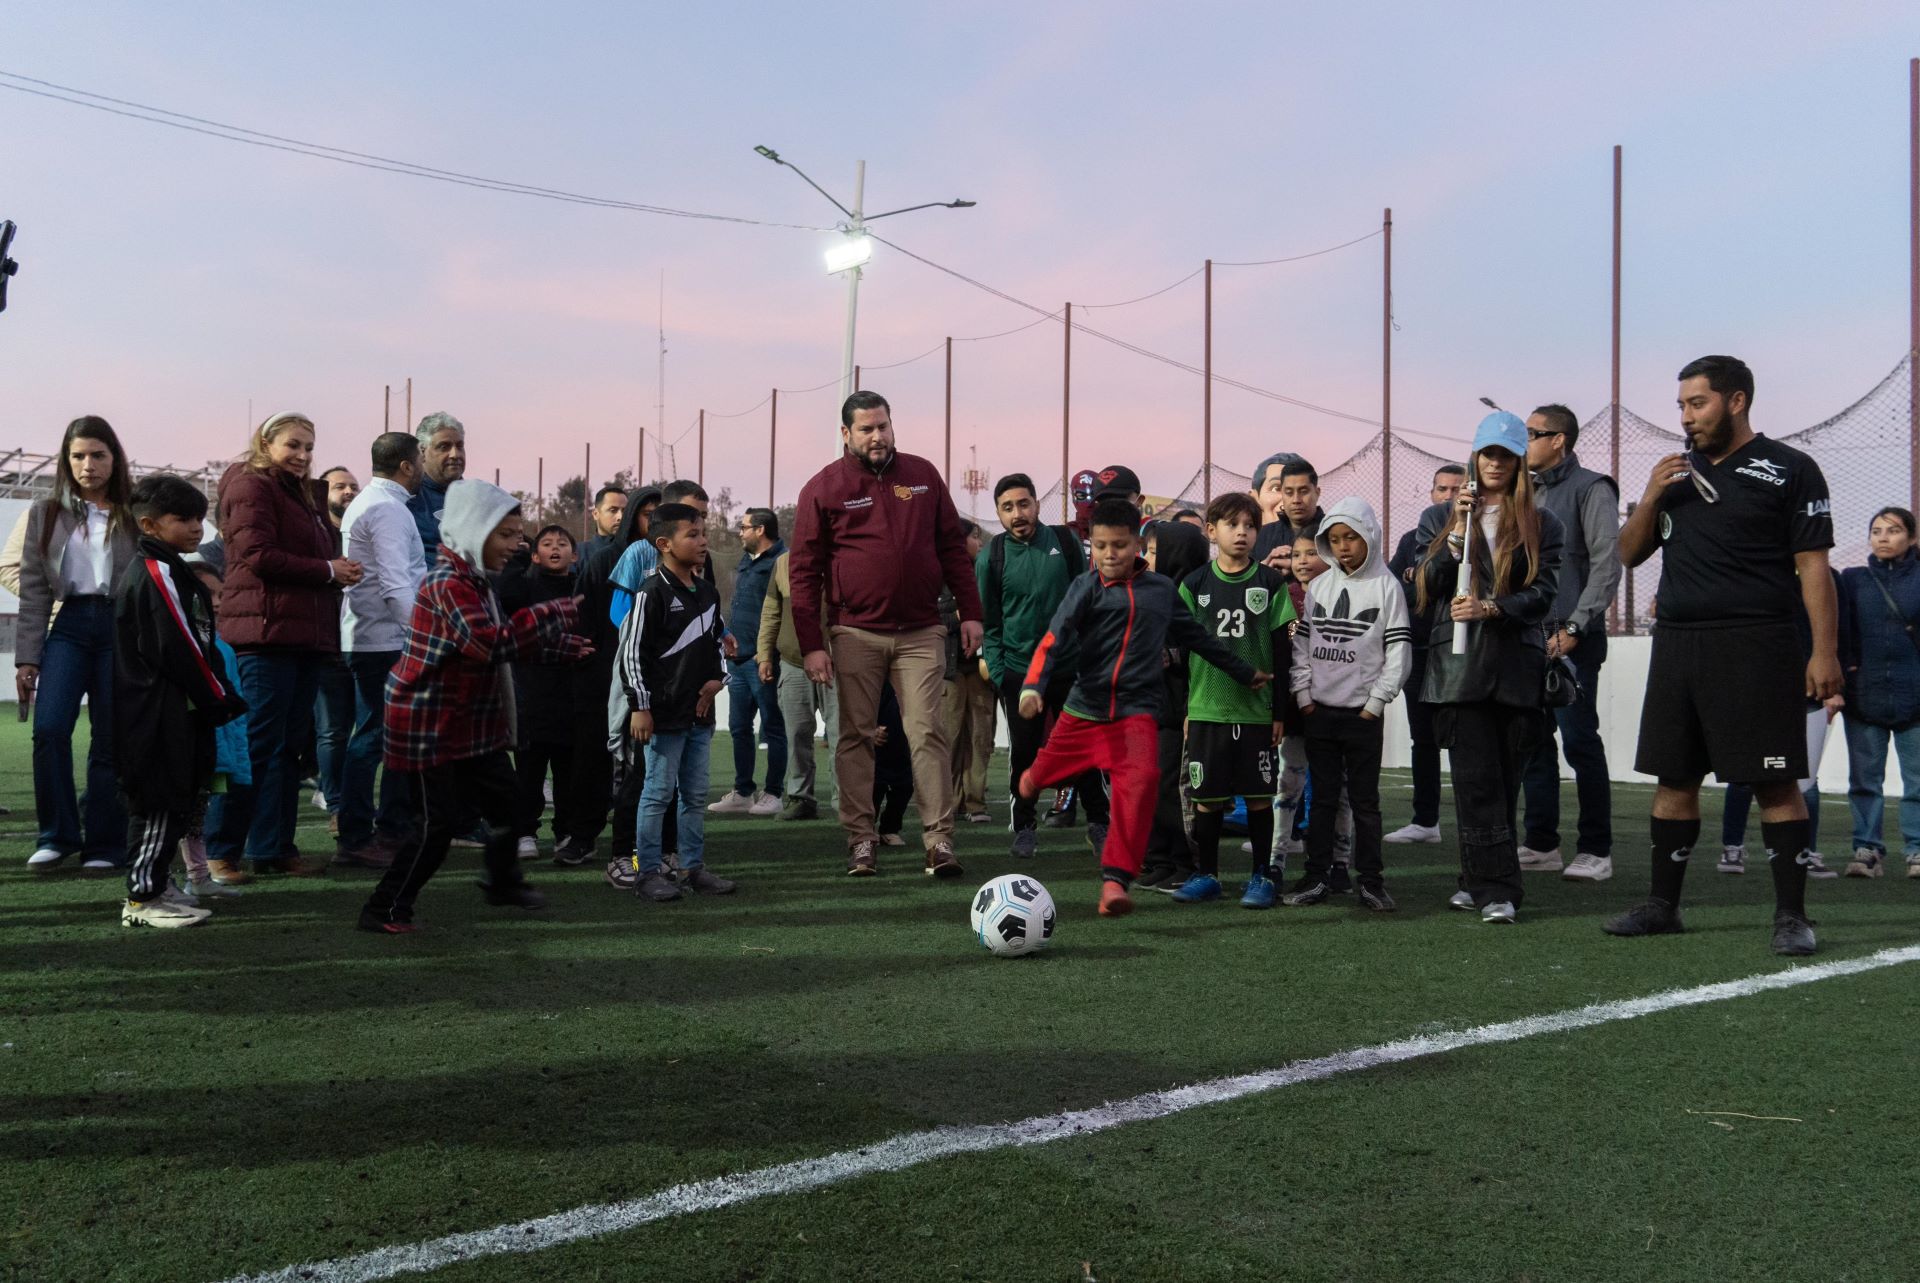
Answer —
1865 451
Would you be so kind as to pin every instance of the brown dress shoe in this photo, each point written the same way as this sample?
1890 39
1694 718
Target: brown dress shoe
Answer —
860 860
299 866
941 862
228 873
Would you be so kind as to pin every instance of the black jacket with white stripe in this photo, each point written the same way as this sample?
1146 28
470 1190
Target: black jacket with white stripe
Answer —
670 648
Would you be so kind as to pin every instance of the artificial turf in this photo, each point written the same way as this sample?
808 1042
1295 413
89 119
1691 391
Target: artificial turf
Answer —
276 1087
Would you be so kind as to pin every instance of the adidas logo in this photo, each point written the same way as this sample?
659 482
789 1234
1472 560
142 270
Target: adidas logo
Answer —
673 604
1339 625
1053 552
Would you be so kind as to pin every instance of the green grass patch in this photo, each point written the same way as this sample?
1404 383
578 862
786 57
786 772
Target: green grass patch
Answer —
276 1087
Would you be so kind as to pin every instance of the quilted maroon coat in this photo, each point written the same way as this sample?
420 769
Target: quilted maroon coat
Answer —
279 587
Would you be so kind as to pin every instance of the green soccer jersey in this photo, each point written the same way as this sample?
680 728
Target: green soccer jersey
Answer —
1249 613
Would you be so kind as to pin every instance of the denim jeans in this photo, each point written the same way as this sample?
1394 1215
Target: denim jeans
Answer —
1579 727
1867 771
399 810
78 662
279 687
229 816
746 695
675 759
332 726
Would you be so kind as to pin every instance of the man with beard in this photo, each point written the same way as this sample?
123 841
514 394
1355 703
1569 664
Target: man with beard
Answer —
1743 525
609 506
875 536
1024 573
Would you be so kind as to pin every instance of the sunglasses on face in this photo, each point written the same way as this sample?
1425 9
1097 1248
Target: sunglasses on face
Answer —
1534 434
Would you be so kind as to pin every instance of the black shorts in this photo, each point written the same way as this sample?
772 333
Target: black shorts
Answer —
1730 700
1227 761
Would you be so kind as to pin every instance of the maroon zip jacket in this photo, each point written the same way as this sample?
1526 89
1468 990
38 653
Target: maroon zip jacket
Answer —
881 544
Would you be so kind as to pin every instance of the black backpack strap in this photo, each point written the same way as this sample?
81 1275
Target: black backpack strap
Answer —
1070 549
996 575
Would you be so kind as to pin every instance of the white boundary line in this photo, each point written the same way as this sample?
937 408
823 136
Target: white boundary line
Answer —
915 1148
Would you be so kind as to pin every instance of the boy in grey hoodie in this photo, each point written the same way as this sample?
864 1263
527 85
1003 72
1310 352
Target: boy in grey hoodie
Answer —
1353 652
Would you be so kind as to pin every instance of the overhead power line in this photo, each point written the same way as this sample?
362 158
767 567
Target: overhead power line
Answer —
344 156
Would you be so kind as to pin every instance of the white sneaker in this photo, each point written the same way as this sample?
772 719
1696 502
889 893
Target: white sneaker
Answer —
1817 866
98 864
319 800
1246 848
1867 863
45 860
1541 861
1414 833
1913 865
207 888
159 913
1460 900
765 805
733 803
1733 859
528 848
1499 911
1589 868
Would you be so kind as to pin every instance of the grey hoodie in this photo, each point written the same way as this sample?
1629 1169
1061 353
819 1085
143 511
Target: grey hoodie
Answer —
1358 643
474 509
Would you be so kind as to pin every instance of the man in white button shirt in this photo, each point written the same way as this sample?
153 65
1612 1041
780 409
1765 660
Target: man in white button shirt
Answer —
380 532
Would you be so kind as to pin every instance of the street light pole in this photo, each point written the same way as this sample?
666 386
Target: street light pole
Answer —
855 230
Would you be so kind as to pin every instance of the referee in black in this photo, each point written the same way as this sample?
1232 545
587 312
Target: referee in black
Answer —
1742 524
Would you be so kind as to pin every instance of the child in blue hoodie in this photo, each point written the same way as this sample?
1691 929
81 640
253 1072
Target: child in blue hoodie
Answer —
1352 655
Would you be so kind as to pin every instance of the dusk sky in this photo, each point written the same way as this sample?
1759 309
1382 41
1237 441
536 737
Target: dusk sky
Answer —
167 279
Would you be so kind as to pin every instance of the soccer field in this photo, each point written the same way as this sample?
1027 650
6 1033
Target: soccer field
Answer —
276 1088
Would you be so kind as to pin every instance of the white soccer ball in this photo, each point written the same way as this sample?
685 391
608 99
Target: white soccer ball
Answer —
1013 915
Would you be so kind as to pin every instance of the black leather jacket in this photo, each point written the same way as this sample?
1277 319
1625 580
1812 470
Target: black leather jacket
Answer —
1506 660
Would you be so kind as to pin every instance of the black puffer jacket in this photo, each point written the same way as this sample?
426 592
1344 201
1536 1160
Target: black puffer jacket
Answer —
1506 659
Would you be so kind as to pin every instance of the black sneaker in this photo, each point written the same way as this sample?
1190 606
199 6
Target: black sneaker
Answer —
1097 837
1654 918
705 881
572 853
658 887
1154 878
1307 891
1060 820
517 896
1340 880
1376 898
1792 934
1025 843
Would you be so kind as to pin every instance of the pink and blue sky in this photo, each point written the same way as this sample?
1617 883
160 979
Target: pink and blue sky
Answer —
168 279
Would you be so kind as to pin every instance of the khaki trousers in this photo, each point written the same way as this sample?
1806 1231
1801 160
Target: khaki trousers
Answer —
970 713
916 663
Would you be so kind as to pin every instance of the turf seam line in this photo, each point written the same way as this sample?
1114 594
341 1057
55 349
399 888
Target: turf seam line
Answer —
915 1148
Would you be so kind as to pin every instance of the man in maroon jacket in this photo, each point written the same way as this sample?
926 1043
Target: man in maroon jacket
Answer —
875 538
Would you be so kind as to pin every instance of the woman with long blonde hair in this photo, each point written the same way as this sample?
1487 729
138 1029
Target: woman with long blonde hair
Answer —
280 611
1487 687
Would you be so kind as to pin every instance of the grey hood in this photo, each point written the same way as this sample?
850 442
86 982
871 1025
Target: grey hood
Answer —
474 509
1357 515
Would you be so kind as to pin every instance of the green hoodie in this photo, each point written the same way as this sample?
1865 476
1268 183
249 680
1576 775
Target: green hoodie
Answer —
1035 580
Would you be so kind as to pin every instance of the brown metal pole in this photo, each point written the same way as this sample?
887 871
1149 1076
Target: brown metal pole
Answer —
700 465
856 378
540 482
496 476
386 414
1066 422
1386 377
773 443
1613 405
410 423
947 468
1206 400
1913 285
586 497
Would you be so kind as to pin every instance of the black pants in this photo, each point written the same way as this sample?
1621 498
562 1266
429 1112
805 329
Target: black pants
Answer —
450 795
892 766
531 764
1025 735
1487 745
1343 752
1426 749
1579 727
152 839
1168 846
629 778
593 789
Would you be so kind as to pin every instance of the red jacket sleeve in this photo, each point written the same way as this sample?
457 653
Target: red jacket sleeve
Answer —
808 556
950 544
250 526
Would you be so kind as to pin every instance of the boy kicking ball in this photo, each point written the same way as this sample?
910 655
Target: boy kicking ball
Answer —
1117 619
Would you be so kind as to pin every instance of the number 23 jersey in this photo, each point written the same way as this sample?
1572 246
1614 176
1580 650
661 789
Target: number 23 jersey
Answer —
1248 613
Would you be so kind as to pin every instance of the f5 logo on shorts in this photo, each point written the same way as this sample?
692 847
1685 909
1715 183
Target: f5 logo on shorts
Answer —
1773 763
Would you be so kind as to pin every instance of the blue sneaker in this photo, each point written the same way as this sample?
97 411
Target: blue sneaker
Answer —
1260 893
1201 886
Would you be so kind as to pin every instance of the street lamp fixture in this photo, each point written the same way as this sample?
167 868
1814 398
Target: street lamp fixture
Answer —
851 256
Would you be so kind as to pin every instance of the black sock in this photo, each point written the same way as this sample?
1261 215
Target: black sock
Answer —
1110 874
1672 843
1786 842
1260 831
1206 840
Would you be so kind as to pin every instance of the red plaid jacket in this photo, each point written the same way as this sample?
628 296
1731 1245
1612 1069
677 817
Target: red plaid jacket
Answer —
447 698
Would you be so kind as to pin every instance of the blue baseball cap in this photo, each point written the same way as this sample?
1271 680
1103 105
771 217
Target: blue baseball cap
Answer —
1504 430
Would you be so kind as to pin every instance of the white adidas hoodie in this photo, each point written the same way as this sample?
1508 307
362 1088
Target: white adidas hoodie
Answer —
1356 644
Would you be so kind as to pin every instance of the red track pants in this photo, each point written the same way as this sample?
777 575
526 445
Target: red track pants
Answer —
1129 751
